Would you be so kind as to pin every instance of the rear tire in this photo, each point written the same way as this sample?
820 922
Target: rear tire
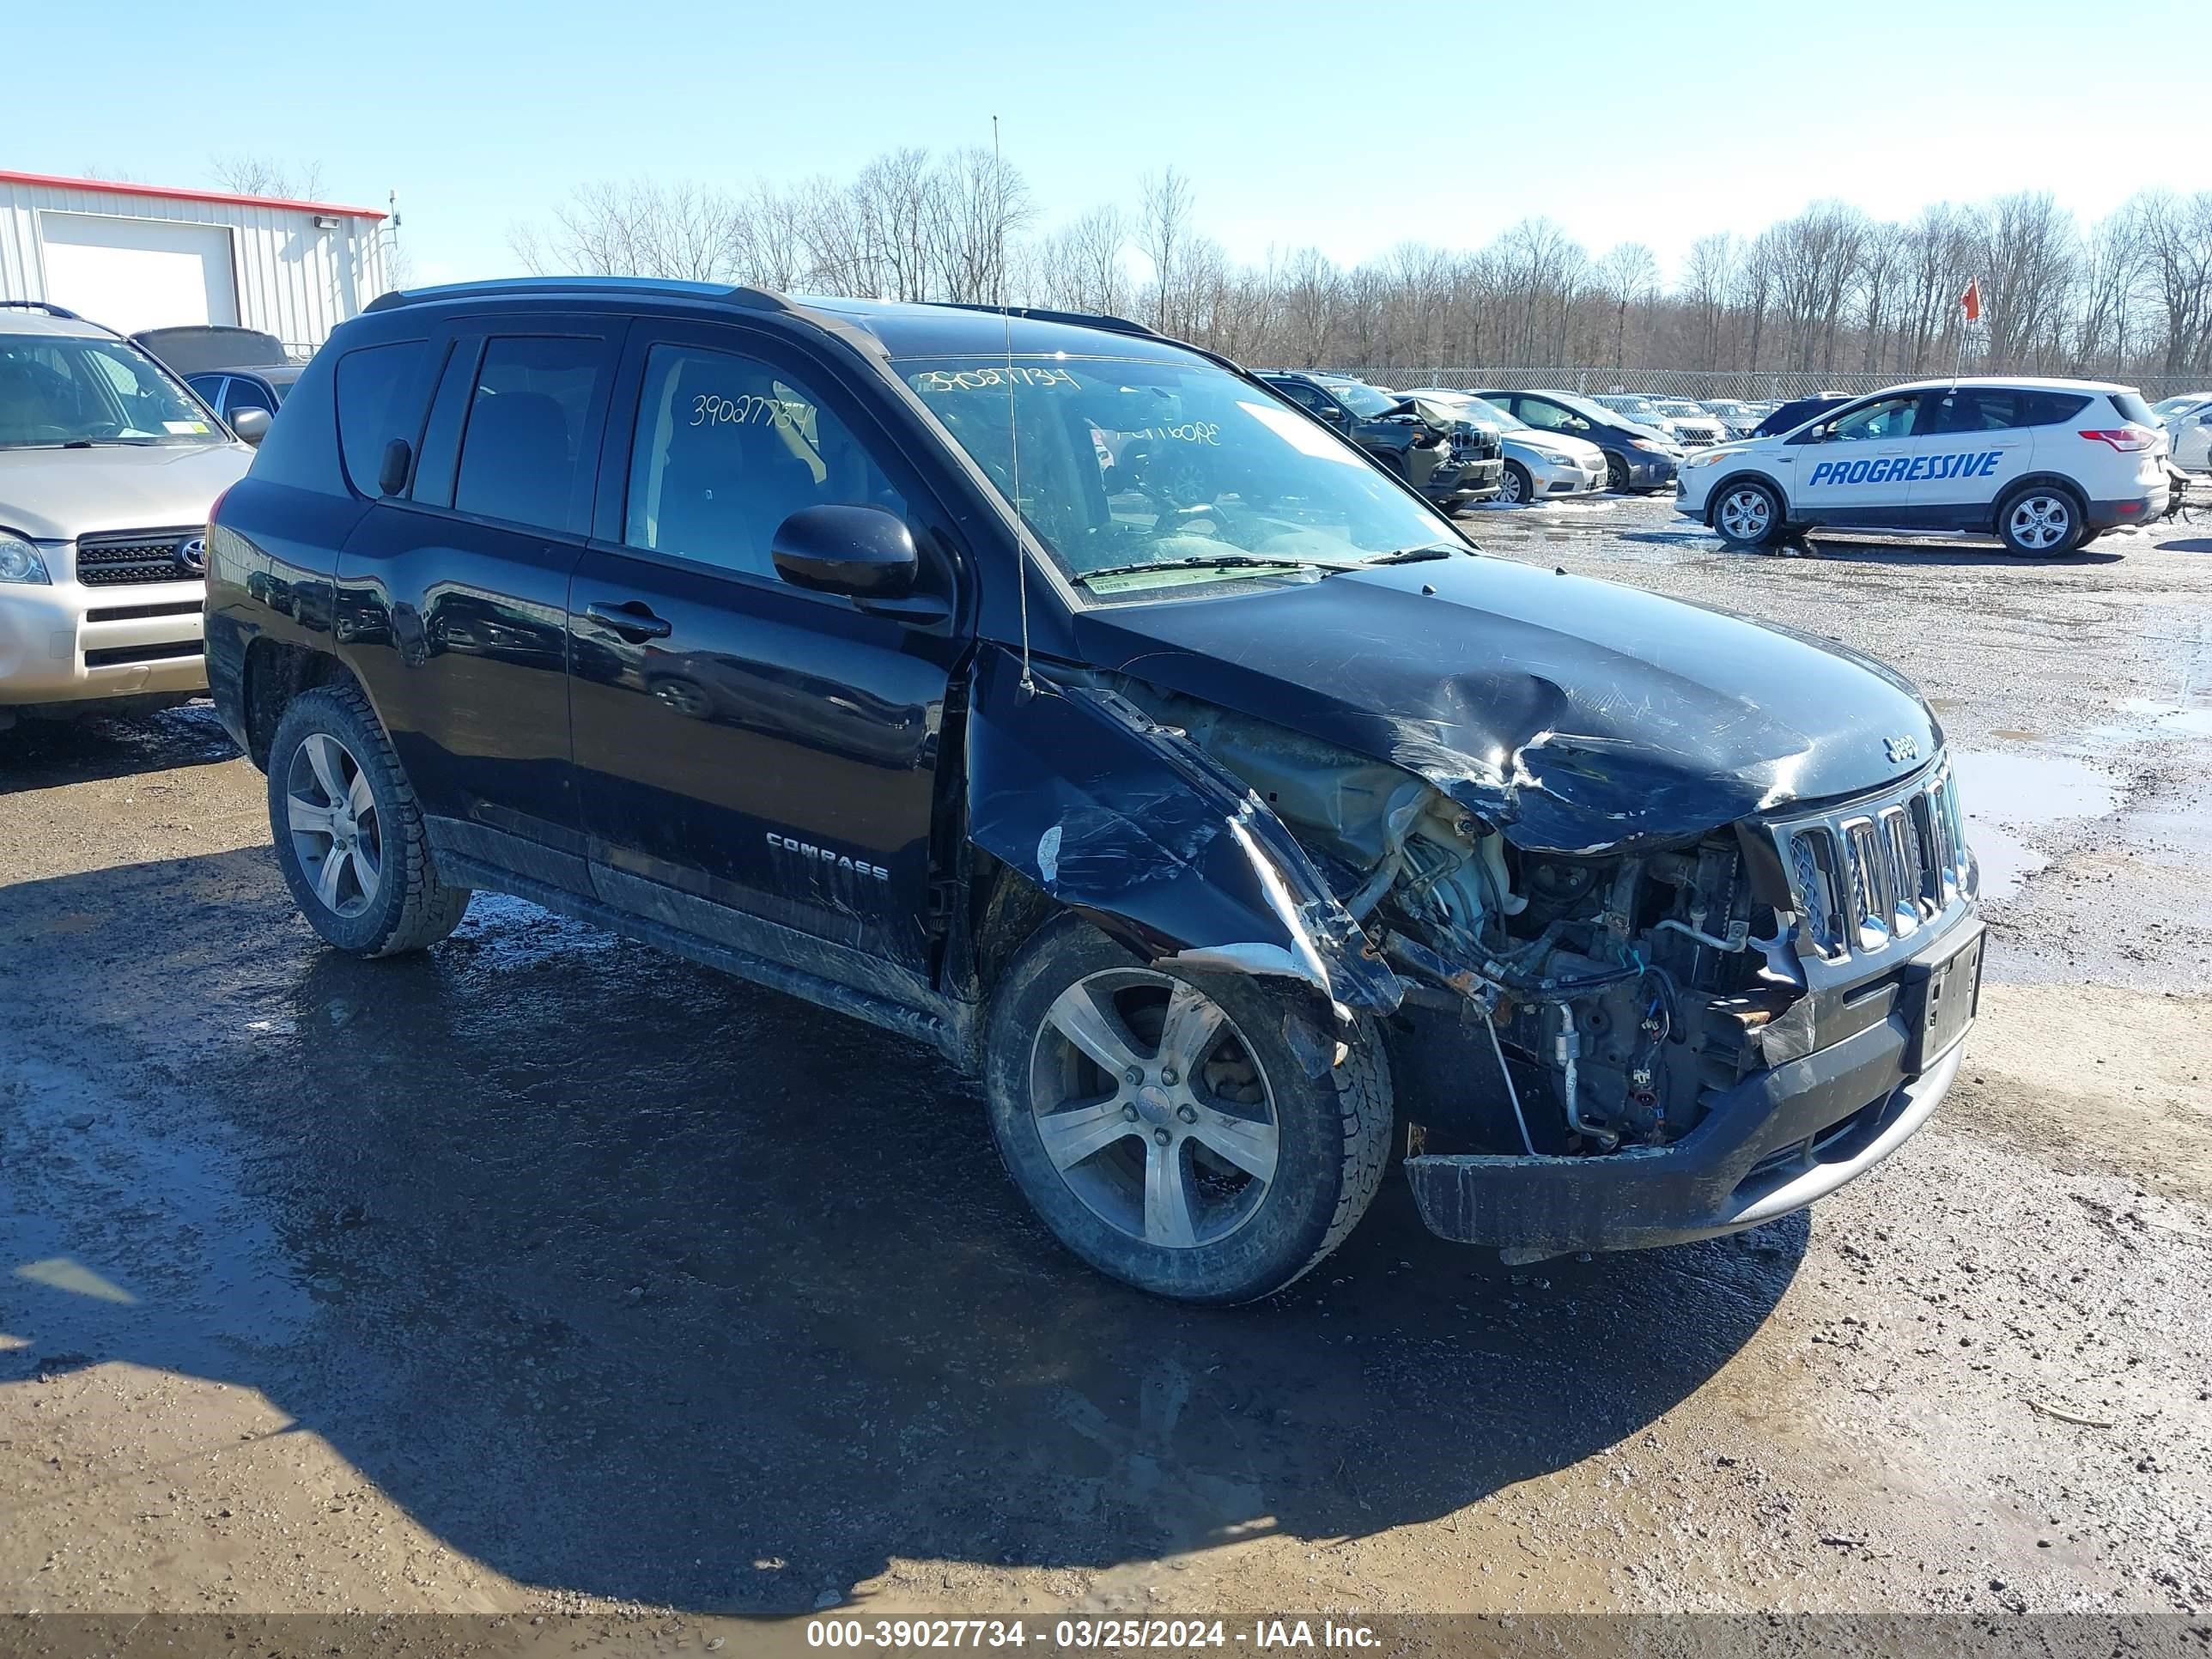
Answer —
1222 1185
349 832
1514 486
2040 521
1749 514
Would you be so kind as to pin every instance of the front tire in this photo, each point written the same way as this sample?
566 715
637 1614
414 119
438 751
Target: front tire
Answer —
1616 473
1749 514
1515 488
2041 521
348 833
1162 1127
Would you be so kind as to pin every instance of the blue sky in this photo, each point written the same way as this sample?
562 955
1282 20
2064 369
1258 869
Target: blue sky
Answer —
1299 124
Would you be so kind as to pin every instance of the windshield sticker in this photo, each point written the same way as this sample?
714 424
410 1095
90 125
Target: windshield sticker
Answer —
986 380
1302 435
185 428
709 408
1188 432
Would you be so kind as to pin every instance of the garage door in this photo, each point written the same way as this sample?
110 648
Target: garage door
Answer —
138 273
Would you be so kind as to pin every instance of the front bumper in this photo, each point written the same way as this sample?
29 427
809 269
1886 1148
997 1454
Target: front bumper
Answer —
1647 471
1465 481
1770 1146
65 642
1555 479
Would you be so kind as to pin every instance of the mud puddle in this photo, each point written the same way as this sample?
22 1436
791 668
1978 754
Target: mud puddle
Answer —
2013 798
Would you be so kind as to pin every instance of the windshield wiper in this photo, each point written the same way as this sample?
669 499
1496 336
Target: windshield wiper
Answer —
1207 561
1416 555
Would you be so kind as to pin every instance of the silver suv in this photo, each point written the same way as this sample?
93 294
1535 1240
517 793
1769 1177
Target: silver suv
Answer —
108 468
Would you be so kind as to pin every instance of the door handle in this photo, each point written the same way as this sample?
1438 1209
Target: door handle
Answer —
633 619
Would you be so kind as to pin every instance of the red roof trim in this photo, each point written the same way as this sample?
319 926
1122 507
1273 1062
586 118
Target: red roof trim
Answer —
225 198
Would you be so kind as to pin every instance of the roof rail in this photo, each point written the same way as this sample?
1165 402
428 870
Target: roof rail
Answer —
51 309
754 299
1111 324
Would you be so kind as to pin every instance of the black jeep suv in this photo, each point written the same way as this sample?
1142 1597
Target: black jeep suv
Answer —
1052 693
1451 460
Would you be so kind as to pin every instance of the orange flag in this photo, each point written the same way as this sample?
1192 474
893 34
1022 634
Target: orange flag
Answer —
1971 300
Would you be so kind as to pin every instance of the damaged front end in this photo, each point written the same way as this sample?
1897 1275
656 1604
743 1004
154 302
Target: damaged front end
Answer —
1666 1037
1125 820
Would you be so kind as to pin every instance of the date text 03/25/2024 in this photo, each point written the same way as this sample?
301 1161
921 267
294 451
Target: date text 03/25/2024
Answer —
1083 1635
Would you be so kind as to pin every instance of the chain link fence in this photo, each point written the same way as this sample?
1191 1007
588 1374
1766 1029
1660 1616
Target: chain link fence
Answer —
1753 386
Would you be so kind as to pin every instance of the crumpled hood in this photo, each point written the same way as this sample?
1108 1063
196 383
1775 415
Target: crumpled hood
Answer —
58 494
1577 715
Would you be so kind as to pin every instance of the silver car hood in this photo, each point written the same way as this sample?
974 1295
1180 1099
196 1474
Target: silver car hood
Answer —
58 495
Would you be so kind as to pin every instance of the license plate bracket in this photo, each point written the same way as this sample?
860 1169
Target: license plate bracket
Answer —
1945 1001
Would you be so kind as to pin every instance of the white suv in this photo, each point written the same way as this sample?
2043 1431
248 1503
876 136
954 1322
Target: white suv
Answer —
108 468
2044 465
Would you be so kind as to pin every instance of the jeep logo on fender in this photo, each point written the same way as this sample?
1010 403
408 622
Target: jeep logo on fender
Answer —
807 850
1897 470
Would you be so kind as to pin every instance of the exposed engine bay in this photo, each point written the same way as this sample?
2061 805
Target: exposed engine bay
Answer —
1593 999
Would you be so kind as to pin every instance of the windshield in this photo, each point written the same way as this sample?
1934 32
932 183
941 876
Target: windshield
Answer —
60 389
1173 468
1362 399
2166 407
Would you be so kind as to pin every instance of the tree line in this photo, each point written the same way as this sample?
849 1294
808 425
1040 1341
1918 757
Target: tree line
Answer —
1830 289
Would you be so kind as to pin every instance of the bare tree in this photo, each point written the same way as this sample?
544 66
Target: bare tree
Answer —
1824 290
1164 228
259 175
639 229
982 205
1628 275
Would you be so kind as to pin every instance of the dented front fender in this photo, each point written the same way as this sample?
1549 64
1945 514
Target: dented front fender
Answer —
1129 823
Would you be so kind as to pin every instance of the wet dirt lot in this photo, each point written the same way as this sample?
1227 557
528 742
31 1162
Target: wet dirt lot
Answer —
546 1274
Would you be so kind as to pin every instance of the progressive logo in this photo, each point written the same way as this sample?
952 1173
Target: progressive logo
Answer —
1913 470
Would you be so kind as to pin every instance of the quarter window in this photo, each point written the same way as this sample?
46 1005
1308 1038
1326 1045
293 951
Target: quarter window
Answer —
527 417
379 397
728 447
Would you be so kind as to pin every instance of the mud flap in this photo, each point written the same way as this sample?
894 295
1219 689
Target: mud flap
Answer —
1132 824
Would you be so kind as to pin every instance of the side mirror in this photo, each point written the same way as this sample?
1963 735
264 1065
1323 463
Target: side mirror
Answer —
392 472
862 552
251 425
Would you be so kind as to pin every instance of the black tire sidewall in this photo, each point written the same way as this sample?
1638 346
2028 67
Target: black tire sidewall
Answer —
327 710
1288 1232
2072 544
1527 482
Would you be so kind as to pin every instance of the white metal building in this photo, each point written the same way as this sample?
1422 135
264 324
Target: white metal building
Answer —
147 256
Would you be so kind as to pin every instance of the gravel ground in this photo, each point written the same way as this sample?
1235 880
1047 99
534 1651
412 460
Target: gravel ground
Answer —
546 1275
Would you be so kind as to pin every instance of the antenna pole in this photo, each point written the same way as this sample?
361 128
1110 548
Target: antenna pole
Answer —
1013 424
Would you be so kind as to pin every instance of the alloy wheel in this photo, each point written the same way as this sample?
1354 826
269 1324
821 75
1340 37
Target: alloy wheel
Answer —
336 832
1153 1109
1747 514
2042 522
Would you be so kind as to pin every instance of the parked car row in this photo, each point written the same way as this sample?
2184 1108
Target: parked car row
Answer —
1450 458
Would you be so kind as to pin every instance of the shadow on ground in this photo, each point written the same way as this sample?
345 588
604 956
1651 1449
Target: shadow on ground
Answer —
38 753
626 1278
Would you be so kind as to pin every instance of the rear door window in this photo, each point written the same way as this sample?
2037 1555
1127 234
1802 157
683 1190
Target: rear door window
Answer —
522 458
379 397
